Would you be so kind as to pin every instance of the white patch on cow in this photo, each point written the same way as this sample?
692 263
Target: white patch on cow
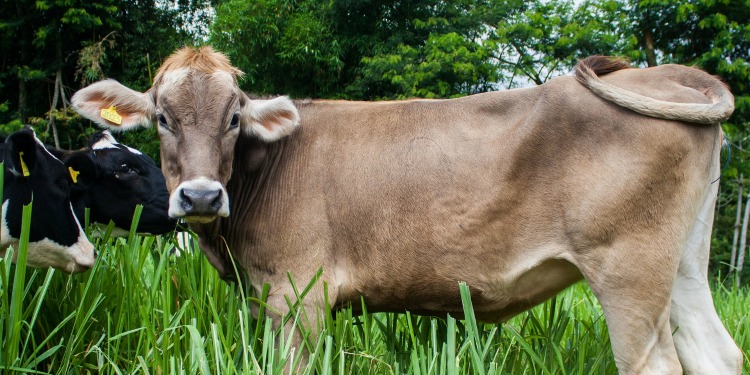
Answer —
171 78
703 344
5 237
343 277
106 141
48 253
134 151
41 145
200 183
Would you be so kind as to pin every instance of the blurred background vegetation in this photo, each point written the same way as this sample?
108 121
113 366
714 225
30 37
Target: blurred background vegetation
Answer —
370 50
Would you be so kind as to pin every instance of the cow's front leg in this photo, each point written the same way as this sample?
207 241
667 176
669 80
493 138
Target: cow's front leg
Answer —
301 319
293 335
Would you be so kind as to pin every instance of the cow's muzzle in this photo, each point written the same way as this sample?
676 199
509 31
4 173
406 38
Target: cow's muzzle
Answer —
199 200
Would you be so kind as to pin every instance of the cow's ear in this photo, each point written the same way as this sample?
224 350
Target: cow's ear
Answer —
82 170
269 120
114 106
22 160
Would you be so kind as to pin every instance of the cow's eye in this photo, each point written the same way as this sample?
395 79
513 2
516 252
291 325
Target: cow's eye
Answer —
126 169
235 122
162 120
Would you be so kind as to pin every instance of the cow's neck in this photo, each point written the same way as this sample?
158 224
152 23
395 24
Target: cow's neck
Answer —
255 163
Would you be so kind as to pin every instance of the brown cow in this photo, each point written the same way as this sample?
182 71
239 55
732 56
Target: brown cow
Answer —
519 193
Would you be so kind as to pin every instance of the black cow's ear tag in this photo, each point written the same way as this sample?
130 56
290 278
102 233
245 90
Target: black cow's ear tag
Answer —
24 168
74 174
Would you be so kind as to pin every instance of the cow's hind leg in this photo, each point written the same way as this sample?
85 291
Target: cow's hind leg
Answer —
633 283
703 344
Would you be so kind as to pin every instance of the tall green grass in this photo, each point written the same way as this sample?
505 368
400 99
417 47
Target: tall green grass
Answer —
141 310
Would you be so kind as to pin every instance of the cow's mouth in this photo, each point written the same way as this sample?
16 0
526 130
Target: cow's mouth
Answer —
200 219
74 267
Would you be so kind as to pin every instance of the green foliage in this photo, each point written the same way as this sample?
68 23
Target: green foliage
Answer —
283 46
91 58
86 40
546 38
447 66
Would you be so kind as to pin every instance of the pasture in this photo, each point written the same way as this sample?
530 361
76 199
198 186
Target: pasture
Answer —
141 310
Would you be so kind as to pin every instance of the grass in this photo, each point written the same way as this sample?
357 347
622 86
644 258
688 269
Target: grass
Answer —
141 310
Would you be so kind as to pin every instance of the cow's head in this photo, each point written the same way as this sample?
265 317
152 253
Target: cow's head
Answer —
200 112
125 177
56 238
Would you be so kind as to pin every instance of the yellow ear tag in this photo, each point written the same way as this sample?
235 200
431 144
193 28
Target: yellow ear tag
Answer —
110 114
74 174
24 168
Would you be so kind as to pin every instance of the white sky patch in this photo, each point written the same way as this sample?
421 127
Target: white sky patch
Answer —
196 23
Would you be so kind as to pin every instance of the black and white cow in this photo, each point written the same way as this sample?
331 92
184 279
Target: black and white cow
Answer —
56 238
124 177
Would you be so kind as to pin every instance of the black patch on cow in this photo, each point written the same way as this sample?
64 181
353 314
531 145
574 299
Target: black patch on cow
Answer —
31 171
124 179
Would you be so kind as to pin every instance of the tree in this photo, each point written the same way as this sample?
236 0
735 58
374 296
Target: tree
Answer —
42 64
544 39
283 46
45 30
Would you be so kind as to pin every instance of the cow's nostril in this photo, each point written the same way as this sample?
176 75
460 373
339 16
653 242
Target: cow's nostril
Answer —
185 201
216 203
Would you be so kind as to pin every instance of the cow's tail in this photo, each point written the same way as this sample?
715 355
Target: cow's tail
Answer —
721 106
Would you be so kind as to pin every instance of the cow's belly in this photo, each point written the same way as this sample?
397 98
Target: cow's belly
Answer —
506 299
497 295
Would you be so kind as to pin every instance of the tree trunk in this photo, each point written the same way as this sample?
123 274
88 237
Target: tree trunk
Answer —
57 91
648 40
23 57
737 224
55 96
743 240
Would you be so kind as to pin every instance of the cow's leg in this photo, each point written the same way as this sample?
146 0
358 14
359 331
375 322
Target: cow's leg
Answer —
292 328
633 284
307 319
703 344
